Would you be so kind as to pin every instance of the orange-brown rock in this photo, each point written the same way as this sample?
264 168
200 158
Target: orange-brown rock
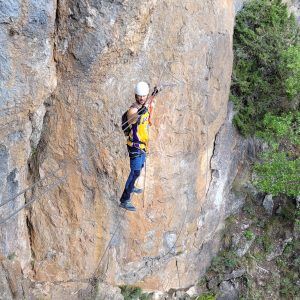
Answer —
75 230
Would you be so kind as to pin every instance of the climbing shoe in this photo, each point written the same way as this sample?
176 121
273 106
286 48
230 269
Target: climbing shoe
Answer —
137 190
128 206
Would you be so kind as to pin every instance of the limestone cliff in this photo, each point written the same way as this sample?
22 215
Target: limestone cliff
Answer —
68 69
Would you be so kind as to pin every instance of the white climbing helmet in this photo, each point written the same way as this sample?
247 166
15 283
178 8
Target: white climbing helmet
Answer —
142 89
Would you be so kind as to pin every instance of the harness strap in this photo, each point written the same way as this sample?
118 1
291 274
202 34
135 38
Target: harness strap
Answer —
137 142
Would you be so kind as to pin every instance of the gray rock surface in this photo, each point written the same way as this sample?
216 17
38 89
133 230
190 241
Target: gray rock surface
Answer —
238 5
294 7
179 295
6 293
37 119
298 201
230 168
107 292
12 283
268 204
279 249
157 295
235 274
244 245
27 79
193 291
228 291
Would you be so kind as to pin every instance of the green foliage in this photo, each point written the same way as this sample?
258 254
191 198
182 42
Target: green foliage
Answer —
225 260
290 67
289 264
266 63
34 154
207 296
281 130
288 211
267 243
145 296
249 209
248 234
278 174
279 171
11 256
288 288
230 220
131 292
265 89
281 263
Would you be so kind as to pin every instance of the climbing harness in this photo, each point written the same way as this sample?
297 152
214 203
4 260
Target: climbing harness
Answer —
49 175
157 88
126 127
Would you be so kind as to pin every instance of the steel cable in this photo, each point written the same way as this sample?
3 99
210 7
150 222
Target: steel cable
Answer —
51 173
117 227
61 179
34 198
106 248
170 249
60 168
30 187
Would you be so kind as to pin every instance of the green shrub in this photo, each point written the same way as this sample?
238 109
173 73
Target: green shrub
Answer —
290 69
288 211
12 256
224 260
281 263
279 170
281 130
130 292
265 90
266 63
206 296
289 288
278 174
248 234
267 243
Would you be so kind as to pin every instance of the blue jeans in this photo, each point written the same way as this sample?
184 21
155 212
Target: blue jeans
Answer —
137 160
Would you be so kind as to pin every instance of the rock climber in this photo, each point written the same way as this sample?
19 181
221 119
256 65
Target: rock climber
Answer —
138 118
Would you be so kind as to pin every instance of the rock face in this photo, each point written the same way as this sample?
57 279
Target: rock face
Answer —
12 283
268 204
27 79
68 70
294 7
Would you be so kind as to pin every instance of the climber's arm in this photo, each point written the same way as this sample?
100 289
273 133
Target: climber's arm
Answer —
132 115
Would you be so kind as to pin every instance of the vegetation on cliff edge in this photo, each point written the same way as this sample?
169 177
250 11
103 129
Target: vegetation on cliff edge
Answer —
265 89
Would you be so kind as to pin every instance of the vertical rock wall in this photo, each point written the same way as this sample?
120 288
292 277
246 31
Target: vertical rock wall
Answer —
27 78
102 48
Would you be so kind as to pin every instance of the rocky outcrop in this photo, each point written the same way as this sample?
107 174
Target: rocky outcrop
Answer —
294 7
228 186
12 282
74 67
27 79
